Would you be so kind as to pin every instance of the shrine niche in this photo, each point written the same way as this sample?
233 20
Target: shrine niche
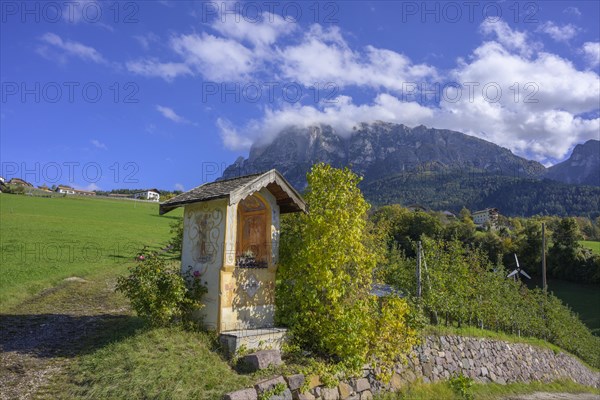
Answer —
253 239
231 238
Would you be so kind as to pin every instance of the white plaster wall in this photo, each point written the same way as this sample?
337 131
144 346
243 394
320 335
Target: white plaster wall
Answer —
231 235
213 213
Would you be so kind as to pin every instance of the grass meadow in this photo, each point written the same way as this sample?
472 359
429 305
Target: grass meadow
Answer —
45 240
594 246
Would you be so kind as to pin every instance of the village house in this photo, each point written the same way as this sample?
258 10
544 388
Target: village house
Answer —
489 215
63 189
416 208
19 182
150 194
231 241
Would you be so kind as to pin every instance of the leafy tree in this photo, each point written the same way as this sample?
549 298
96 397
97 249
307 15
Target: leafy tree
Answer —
530 246
565 255
326 269
327 263
405 227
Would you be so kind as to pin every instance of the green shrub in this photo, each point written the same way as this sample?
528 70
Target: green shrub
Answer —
462 386
175 244
159 293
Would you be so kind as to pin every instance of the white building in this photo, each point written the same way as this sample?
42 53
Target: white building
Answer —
150 194
65 189
490 215
69 190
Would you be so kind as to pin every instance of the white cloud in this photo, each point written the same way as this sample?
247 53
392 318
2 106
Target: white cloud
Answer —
559 33
230 136
342 114
179 186
99 145
319 56
544 120
263 31
53 43
91 187
146 40
323 53
509 38
152 68
591 52
572 11
169 113
214 57
87 11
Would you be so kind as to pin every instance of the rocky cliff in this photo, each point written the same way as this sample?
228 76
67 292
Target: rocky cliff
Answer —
582 167
379 150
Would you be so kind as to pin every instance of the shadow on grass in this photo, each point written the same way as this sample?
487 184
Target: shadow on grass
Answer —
61 335
173 217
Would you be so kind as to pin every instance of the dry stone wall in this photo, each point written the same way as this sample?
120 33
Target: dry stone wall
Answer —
439 358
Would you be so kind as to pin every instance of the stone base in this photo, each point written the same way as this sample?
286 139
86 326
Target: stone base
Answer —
252 339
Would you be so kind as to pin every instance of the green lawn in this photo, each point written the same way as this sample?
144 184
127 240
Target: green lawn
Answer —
582 298
44 240
166 363
595 246
488 391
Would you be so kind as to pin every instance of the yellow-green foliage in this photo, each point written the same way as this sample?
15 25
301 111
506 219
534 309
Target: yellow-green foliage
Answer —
326 269
394 334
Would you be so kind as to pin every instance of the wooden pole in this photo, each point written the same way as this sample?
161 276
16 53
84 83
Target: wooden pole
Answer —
419 269
544 283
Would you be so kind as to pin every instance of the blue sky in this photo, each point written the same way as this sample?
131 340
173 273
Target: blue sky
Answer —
167 93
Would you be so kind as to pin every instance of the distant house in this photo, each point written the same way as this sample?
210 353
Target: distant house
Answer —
84 192
19 182
63 189
416 207
150 194
449 214
44 188
482 217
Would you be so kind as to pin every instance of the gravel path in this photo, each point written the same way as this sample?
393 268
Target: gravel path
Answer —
41 337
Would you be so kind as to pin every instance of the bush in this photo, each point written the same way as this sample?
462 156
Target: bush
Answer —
462 385
176 242
159 293
395 332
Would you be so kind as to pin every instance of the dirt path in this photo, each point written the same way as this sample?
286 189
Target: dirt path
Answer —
41 337
555 396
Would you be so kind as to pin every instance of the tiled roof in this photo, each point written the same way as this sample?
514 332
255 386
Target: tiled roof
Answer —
286 195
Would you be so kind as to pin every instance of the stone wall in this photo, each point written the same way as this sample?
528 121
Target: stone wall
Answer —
439 358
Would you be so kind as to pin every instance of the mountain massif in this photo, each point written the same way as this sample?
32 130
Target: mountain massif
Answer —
437 168
583 167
